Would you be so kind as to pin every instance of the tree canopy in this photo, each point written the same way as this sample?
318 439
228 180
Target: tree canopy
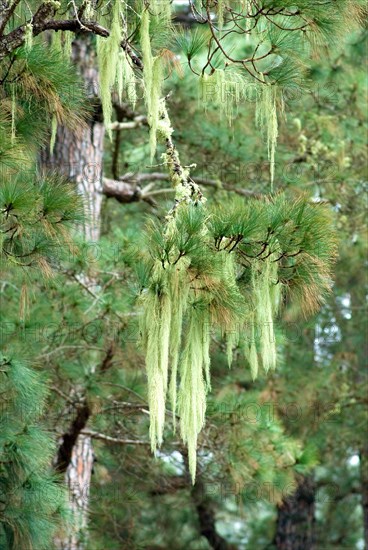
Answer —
181 191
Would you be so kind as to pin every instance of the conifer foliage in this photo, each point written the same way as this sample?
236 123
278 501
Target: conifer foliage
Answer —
202 270
33 500
37 214
228 270
251 51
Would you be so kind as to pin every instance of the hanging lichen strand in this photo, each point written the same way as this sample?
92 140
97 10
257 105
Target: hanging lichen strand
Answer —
281 39
264 277
266 118
155 330
125 80
220 13
152 80
54 126
223 89
226 271
251 349
114 66
108 50
226 90
28 36
194 381
179 291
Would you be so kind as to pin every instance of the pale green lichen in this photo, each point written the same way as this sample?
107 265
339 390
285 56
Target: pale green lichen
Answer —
108 50
54 126
266 118
28 36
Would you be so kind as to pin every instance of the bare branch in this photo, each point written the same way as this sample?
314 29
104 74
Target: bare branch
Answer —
104 437
128 184
39 21
6 11
63 395
42 21
123 192
135 123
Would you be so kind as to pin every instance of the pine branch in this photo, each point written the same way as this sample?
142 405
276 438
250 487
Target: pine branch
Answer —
170 485
124 405
110 439
107 361
127 389
71 347
63 395
122 191
75 25
6 13
129 51
127 189
138 121
41 22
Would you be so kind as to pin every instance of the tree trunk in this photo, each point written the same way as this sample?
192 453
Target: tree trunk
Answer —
206 517
363 455
78 156
357 326
295 518
205 511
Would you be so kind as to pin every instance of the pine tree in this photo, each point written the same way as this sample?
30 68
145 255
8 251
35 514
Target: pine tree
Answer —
37 216
77 154
204 269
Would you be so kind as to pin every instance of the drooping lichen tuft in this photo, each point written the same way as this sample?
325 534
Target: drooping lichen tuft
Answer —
54 125
67 44
207 272
161 9
224 89
152 80
251 347
179 291
28 36
220 13
125 79
155 330
108 50
155 94
192 391
13 114
268 101
264 275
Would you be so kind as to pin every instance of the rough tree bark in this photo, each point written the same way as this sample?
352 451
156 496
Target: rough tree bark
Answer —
78 156
295 518
205 510
363 456
206 517
359 380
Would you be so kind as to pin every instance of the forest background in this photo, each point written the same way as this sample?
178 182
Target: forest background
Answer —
282 461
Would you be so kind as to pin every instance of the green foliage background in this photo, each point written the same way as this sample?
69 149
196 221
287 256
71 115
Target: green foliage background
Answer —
308 417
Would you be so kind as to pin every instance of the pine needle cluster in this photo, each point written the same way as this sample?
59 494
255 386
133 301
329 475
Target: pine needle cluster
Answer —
36 219
33 500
